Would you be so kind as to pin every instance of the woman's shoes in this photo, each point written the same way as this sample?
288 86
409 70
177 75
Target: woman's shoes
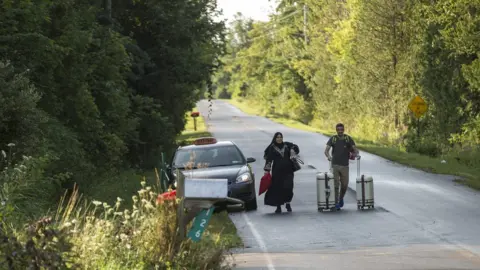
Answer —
279 208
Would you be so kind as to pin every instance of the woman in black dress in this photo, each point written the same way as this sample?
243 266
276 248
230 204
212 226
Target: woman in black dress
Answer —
278 155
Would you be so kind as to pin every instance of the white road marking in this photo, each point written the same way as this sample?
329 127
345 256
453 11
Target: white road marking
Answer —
256 234
260 242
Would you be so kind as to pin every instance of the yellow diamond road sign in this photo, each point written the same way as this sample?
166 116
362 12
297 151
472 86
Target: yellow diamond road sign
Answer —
418 106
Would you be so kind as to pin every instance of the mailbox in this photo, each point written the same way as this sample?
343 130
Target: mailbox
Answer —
205 188
199 196
195 115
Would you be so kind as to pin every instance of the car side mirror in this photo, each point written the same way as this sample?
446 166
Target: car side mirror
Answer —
251 159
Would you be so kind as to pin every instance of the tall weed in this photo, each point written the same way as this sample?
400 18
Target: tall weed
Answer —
90 234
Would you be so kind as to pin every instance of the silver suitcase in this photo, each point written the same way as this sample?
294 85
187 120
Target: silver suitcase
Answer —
325 191
364 188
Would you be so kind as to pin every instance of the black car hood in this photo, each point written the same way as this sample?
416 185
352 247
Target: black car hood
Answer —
231 172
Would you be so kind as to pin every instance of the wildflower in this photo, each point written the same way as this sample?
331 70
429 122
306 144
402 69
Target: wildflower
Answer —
123 236
149 206
3 203
106 206
135 199
11 145
148 188
4 154
97 203
143 183
119 199
67 224
118 213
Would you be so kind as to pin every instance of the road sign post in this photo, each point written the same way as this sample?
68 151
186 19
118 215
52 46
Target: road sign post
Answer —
419 107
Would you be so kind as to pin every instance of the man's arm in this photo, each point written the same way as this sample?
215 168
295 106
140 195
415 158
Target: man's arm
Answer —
327 149
327 152
354 147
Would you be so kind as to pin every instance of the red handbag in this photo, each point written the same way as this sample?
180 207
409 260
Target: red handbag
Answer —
265 183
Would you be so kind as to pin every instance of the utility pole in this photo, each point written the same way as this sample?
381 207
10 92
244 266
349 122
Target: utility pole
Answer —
305 23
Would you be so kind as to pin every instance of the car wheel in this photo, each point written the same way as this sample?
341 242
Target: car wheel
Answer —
251 205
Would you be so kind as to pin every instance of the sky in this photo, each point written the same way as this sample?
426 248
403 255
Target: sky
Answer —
255 9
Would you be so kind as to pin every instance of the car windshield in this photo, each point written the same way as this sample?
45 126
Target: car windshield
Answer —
208 157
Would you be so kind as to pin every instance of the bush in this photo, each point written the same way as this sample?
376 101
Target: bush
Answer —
469 156
140 237
423 147
92 234
20 118
45 247
23 185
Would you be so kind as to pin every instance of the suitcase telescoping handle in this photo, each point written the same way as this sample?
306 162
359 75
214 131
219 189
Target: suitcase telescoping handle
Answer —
358 166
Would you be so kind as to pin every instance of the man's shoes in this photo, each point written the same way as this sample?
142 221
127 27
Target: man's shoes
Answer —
289 208
279 210
337 206
340 203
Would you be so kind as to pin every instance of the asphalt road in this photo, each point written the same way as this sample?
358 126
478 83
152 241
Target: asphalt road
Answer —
421 220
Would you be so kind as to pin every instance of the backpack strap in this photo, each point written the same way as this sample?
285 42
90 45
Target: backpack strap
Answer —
335 138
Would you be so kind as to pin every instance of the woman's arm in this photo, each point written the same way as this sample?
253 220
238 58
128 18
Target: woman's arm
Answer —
267 155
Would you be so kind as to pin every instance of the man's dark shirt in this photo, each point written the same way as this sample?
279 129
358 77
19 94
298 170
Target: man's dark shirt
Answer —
341 150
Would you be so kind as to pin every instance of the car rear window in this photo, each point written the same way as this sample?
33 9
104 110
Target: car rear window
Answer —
206 157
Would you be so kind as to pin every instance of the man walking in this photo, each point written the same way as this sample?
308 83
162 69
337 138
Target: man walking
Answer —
342 146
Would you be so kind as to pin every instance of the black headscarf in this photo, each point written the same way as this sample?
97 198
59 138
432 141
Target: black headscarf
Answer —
274 142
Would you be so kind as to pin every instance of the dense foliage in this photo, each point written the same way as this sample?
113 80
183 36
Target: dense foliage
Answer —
95 90
360 64
91 92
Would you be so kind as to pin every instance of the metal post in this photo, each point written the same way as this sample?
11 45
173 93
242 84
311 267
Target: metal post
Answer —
418 128
305 23
195 123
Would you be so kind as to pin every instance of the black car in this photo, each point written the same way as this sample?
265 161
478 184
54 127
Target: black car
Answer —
209 158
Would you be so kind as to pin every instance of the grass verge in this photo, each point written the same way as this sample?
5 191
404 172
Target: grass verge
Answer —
125 186
470 174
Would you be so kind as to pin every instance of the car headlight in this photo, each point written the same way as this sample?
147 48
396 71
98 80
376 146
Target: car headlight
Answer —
174 174
244 178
